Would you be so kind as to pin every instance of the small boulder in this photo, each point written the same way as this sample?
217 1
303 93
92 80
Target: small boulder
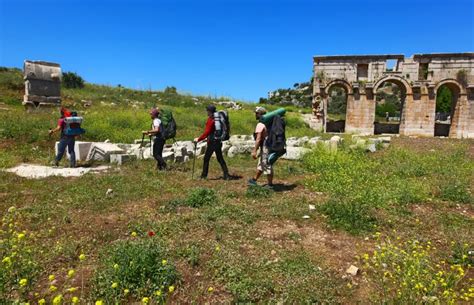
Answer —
352 270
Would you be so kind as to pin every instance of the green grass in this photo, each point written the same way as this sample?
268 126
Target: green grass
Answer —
359 184
225 243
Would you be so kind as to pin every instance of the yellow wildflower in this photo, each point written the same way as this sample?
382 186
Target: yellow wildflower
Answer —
7 260
134 234
210 289
99 302
75 300
145 300
52 288
72 289
116 266
114 285
58 299
163 262
126 291
51 278
82 257
23 282
171 289
42 302
158 293
21 236
71 273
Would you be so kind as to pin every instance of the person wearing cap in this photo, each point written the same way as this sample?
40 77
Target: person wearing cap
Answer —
260 150
213 145
65 141
158 140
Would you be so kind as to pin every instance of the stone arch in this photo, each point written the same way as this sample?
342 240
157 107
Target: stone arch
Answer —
452 84
398 80
337 125
458 105
406 100
339 82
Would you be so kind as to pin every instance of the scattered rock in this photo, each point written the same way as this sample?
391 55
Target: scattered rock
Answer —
109 192
371 148
352 270
306 217
312 207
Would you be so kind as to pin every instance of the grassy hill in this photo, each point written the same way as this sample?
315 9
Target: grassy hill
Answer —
118 114
403 215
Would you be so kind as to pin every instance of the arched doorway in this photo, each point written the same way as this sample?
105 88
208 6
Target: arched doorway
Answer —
390 98
447 95
337 93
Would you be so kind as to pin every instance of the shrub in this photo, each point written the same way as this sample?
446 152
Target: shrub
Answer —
456 191
134 269
201 196
256 191
72 81
351 216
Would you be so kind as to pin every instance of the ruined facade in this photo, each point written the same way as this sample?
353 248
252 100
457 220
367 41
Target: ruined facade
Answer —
42 85
419 79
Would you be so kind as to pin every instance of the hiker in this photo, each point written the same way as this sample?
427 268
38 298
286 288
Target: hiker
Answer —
65 140
157 136
214 144
260 150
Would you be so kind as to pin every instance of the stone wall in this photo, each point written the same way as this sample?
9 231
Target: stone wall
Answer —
419 77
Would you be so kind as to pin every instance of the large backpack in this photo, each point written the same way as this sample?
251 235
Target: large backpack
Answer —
73 125
168 123
276 139
222 126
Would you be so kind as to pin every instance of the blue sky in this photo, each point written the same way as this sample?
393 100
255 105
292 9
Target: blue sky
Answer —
241 49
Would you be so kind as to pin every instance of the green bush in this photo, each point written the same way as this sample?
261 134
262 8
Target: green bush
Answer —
352 216
133 269
201 196
456 191
256 191
72 80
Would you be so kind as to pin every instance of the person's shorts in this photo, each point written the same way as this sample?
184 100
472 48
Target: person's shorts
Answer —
263 164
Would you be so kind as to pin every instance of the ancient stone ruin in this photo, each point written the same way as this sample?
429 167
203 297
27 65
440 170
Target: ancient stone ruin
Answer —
365 80
42 85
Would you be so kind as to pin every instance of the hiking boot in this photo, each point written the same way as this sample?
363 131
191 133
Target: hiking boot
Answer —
227 177
55 163
252 182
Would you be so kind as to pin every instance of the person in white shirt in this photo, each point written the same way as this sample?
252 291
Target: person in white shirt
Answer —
261 151
157 138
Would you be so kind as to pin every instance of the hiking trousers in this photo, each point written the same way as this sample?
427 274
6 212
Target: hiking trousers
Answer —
214 146
68 142
158 145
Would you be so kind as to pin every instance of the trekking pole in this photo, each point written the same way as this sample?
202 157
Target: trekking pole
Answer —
143 139
151 147
194 160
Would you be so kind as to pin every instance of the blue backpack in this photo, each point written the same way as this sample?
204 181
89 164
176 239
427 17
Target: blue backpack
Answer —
73 125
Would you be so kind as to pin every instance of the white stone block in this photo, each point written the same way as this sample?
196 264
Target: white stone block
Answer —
121 158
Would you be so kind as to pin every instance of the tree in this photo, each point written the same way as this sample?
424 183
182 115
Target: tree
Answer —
337 101
443 100
171 90
72 80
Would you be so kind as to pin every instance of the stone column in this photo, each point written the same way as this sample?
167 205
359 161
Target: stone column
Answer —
462 120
